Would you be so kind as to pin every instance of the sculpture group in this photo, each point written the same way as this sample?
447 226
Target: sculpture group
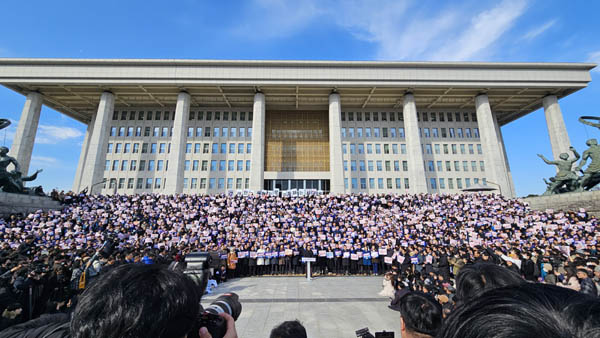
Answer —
571 178
13 181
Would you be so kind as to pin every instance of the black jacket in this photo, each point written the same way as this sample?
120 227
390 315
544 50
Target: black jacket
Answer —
47 326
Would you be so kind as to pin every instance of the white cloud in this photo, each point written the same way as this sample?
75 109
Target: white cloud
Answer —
53 134
399 30
595 58
46 134
537 31
484 30
278 18
43 161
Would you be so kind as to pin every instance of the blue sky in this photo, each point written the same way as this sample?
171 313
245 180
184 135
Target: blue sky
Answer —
530 30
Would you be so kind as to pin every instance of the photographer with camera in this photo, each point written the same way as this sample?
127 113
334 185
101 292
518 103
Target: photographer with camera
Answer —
132 300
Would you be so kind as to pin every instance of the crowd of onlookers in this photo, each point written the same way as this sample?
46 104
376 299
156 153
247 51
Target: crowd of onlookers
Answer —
418 242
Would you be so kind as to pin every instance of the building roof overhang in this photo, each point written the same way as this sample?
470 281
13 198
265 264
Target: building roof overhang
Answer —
74 86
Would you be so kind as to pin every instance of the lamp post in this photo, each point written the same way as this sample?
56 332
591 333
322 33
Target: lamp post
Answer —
496 184
95 184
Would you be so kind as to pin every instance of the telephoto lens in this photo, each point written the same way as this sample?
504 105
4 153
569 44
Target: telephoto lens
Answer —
228 303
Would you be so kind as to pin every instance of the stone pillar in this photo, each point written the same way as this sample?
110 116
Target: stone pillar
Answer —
96 154
336 164
496 170
512 192
82 157
257 157
22 145
416 171
559 138
174 184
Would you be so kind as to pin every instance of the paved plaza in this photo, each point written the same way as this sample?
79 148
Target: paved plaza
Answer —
329 307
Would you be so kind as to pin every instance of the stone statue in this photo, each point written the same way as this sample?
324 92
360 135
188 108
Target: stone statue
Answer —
13 181
566 177
591 175
584 120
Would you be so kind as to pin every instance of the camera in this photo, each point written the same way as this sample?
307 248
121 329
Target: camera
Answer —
197 268
108 246
364 333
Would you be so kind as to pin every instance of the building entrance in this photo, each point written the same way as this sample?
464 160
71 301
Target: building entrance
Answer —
285 185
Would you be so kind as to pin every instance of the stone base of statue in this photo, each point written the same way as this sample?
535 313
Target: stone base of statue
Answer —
572 201
24 204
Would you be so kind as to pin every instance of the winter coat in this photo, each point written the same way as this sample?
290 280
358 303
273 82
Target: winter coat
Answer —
46 326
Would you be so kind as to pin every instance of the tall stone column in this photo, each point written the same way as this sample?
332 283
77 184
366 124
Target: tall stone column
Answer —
416 171
495 166
83 155
511 192
96 154
559 138
177 156
22 145
336 164
257 157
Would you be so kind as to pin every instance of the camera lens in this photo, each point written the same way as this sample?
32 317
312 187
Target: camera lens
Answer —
228 303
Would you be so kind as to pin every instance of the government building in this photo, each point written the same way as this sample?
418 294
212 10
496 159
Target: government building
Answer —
214 126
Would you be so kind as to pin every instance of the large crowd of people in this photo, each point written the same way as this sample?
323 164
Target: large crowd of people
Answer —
419 242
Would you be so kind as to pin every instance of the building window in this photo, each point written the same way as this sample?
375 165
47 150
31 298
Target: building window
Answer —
430 166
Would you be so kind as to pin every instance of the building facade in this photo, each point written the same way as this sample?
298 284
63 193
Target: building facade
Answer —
196 126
